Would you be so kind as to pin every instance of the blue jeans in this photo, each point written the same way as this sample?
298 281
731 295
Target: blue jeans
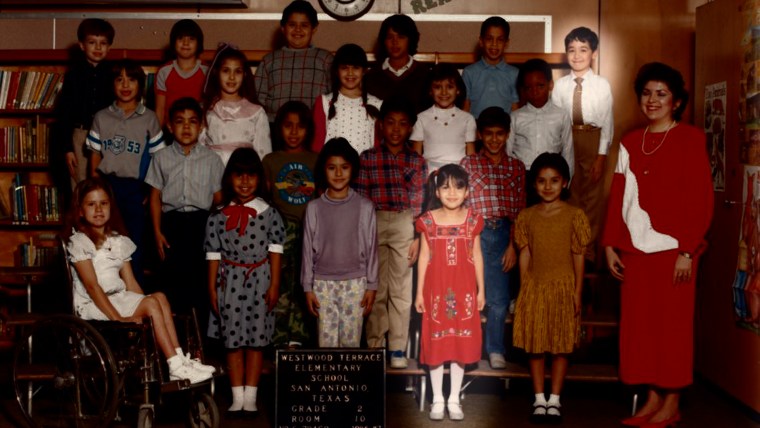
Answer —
494 240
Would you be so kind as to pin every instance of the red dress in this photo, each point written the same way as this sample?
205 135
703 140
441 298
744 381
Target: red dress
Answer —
660 204
451 328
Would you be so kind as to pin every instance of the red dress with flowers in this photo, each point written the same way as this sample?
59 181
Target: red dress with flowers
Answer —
451 328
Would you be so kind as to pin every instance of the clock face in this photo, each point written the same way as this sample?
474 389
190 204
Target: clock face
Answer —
346 10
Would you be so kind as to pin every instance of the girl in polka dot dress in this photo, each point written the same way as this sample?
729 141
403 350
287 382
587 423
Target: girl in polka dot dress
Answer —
349 111
244 242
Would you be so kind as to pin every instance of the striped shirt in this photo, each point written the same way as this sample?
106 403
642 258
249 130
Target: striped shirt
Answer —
126 143
292 74
496 191
392 182
187 182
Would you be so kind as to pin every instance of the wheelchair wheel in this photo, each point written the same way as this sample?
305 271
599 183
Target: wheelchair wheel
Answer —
145 417
64 374
203 412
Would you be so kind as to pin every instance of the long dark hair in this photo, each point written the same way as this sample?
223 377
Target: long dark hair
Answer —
75 222
244 160
349 54
212 90
450 173
304 117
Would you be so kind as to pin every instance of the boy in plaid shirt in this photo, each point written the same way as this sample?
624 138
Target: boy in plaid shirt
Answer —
297 71
497 192
393 177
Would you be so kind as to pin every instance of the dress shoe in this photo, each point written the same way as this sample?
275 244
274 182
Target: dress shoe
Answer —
637 421
670 422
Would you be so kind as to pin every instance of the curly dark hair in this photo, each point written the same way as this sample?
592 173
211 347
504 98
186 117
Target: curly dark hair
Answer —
672 78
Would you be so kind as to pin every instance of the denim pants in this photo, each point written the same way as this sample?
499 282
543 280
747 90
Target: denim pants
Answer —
494 240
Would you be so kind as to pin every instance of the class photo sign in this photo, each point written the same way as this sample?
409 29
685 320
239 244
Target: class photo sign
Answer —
330 388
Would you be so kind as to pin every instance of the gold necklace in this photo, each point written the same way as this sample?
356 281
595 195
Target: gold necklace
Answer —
643 139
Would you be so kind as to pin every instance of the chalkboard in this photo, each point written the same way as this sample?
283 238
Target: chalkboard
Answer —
330 388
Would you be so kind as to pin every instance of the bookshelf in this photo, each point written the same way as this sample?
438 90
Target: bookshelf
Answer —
30 205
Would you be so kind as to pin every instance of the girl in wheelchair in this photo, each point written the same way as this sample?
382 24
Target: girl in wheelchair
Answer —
104 284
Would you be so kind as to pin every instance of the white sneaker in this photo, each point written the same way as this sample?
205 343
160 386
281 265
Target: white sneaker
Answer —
497 361
197 364
186 371
398 360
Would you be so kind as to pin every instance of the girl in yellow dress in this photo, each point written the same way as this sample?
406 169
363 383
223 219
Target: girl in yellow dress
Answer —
551 236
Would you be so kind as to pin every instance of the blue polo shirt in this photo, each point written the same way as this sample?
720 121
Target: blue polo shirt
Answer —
490 85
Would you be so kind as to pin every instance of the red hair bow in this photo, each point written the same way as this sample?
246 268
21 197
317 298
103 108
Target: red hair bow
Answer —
237 216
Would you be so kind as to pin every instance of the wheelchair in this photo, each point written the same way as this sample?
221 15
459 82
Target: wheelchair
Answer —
68 372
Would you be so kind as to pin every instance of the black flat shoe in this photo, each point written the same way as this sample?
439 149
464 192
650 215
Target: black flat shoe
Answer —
538 417
553 415
250 414
232 415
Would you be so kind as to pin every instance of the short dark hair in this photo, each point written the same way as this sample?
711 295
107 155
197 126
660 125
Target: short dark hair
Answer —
402 24
132 70
659 72
494 116
583 35
95 27
304 116
444 71
186 103
399 104
186 28
299 6
335 147
556 162
244 160
494 21
533 65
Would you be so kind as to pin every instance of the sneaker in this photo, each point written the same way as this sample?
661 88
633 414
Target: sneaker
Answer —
497 361
455 411
398 360
197 364
186 371
436 411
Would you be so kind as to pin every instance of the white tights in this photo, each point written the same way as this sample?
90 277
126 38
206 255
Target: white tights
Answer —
456 371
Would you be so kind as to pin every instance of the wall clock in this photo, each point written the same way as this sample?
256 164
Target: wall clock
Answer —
346 10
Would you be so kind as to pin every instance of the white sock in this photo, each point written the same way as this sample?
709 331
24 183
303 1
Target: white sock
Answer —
436 381
554 399
249 399
237 399
456 371
540 399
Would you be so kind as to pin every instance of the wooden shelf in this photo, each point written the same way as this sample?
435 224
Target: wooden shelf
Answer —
4 224
25 166
157 56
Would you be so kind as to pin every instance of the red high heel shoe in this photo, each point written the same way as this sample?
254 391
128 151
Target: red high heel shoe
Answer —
637 421
667 423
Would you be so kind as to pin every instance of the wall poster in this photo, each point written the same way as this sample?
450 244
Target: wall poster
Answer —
715 126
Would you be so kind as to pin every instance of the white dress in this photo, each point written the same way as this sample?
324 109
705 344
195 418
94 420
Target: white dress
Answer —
107 261
234 124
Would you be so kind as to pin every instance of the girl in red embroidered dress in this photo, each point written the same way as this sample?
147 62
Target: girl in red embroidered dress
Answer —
450 289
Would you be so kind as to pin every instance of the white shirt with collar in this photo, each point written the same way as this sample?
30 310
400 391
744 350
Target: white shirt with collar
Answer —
596 103
538 130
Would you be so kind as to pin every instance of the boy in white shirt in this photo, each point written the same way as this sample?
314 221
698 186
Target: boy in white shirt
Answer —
592 126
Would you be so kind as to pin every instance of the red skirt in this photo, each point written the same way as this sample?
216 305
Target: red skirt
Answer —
656 322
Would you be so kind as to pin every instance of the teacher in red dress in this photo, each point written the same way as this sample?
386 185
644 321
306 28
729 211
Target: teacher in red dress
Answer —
660 207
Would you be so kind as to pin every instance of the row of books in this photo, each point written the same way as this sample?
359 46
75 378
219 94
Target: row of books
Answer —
29 90
38 253
27 143
34 203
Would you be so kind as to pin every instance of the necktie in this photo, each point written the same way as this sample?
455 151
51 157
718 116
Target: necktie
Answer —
577 109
